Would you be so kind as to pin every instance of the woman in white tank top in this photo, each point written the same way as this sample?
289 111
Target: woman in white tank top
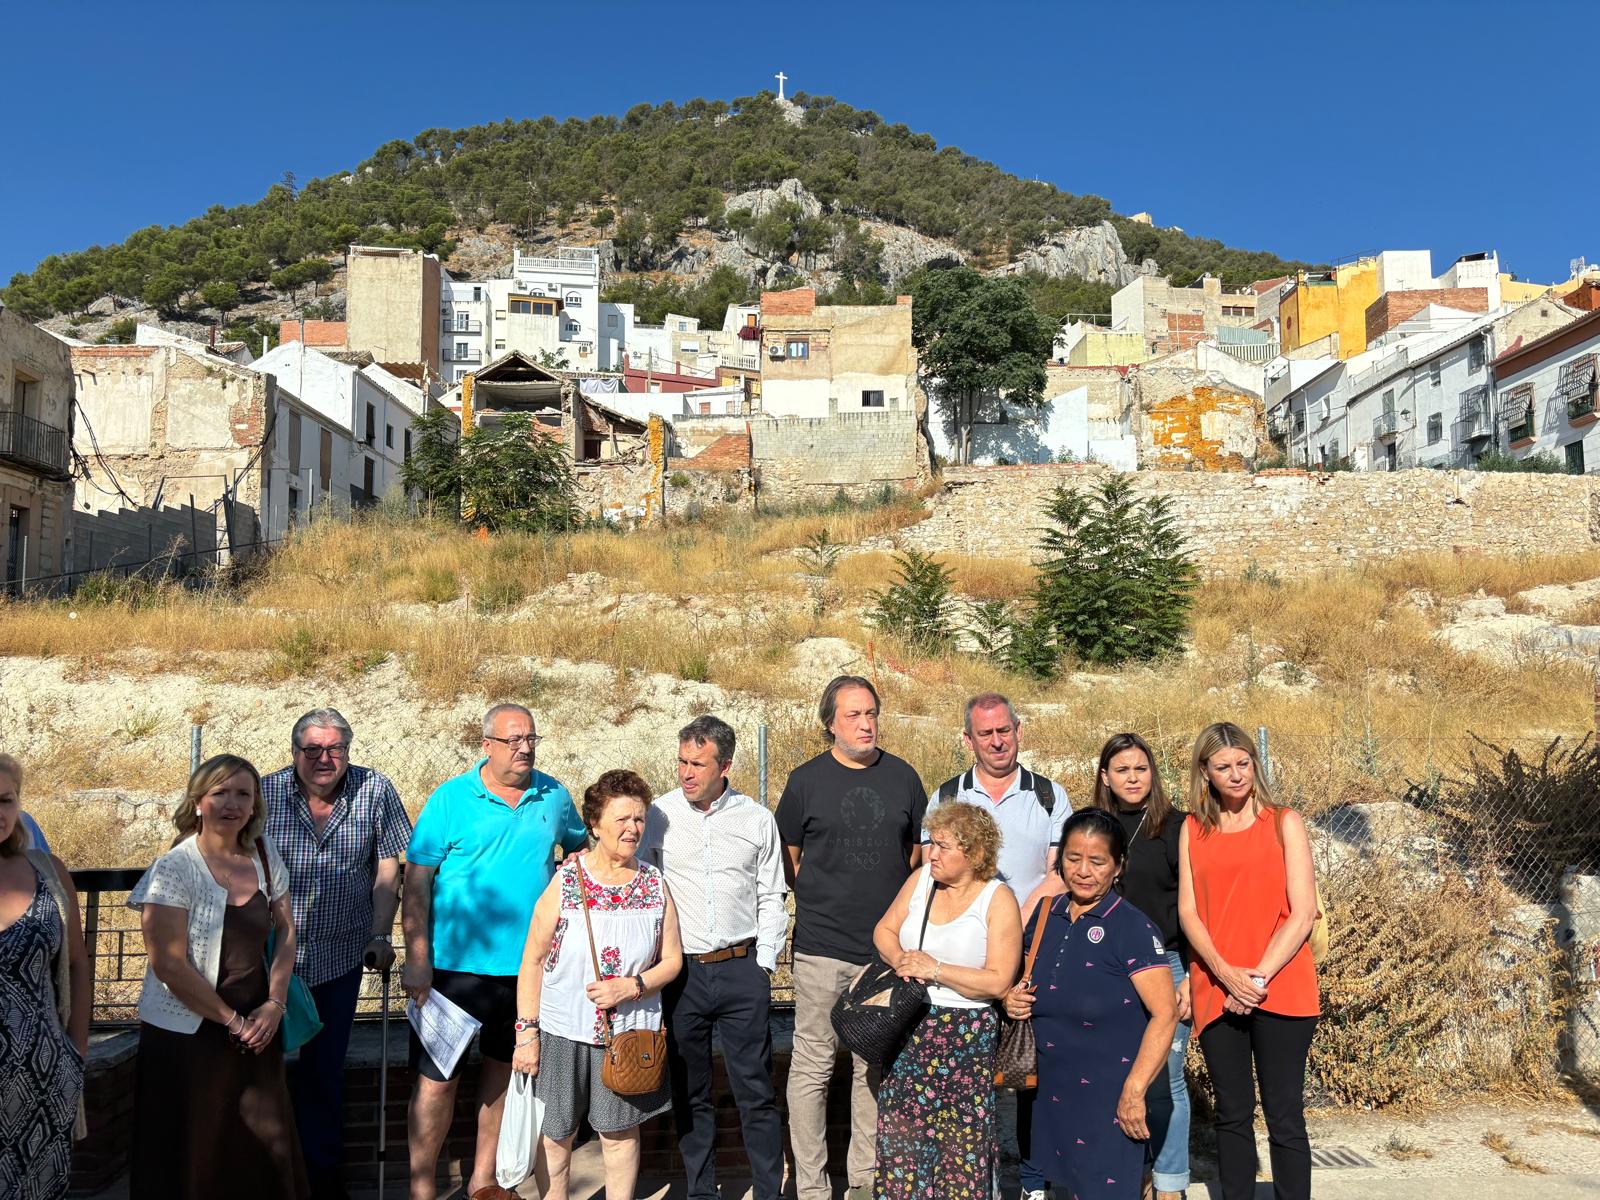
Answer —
936 1126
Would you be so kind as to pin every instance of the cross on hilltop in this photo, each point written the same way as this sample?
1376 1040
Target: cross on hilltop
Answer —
782 79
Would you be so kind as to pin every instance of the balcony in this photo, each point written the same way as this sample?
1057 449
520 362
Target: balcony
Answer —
1476 418
463 356
33 444
1580 409
459 326
1385 425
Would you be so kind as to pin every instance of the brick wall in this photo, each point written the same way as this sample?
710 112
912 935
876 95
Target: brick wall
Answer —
1391 308
330 334
1289 522
797 302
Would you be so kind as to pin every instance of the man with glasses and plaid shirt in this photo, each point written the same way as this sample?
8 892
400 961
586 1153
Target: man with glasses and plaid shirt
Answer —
483 852
341 830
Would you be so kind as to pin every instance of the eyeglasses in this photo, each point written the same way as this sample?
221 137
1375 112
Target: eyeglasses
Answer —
334 751
530 740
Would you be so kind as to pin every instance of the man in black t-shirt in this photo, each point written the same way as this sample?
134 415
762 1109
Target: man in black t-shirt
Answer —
850 820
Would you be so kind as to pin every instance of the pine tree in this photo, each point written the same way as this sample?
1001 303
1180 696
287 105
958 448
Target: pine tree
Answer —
1116 584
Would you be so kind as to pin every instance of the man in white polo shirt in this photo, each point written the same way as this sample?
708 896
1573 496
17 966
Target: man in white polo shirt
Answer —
1030 811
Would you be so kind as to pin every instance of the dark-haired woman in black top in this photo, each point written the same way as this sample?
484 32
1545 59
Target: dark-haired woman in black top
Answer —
1128 787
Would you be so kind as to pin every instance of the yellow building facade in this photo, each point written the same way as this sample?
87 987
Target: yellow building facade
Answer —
1105 348
1320 304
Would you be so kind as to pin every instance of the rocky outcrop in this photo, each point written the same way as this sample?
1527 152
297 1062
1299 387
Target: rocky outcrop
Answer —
905 250
1088 251
761 201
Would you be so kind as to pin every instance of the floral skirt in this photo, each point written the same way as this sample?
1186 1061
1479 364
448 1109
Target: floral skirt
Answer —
936 1126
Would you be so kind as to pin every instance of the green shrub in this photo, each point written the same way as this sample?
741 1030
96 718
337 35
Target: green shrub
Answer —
914 606
105 588
1542 463
1116 584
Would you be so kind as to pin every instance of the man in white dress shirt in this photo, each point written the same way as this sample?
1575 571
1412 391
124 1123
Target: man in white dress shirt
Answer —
722 859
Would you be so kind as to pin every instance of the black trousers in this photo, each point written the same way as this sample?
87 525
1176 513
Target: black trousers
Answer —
1278 1047
731 1000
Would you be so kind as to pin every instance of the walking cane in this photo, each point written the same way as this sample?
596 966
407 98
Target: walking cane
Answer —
383 1085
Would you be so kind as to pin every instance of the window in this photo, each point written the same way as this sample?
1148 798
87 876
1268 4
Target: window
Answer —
683 327
499 344
408 445
1435 428
798 348
1433 372
294 505
461 320
1519 413
705 408
574 300
368 469
294 443
1574 458
388 436
533 305
372 425
1475 354
477 293
611 320
461 350
872 399
325 459
1327 407
25 396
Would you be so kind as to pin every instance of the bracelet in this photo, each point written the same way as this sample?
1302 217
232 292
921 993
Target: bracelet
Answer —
237 1016
380 937
639 979
530 1041
282 1007
937 967
522 1024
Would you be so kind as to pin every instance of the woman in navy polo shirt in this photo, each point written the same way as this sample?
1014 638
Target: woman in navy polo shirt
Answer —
1103 1009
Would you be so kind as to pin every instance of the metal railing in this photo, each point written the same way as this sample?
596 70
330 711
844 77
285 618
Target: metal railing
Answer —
449 326
1250 352
1523 429
35 443
1385 424
463 356
1477 419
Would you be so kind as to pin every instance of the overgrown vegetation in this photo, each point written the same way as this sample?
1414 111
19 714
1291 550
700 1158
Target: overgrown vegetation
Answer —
1116 585
504 476
915 606
1542 463
642 179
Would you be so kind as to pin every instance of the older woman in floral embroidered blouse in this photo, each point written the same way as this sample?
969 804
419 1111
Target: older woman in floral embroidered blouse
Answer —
562 999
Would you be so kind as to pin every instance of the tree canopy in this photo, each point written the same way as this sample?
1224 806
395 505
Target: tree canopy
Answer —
646 176
978 336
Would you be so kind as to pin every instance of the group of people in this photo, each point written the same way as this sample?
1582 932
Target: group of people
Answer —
557 923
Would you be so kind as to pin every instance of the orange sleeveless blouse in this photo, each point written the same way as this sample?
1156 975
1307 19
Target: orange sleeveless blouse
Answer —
1241 893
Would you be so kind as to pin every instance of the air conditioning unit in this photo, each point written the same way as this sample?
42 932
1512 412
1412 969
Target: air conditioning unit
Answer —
776 353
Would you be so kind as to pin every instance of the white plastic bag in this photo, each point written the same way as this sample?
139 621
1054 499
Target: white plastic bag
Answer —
519 1132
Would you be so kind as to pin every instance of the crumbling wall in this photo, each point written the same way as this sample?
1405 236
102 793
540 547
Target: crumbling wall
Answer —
1289 522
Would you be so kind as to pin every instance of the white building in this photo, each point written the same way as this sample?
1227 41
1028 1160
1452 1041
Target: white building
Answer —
1421 399
462 340
550 305
376 421
1544 396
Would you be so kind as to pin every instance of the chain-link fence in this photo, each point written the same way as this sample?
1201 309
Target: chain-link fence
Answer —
1441 863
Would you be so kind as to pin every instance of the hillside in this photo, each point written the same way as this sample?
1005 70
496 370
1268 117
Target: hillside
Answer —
849 195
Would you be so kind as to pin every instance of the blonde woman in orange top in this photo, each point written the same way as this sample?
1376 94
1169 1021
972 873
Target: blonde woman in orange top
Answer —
1247 901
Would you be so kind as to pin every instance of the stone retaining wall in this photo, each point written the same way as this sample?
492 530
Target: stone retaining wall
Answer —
1288 522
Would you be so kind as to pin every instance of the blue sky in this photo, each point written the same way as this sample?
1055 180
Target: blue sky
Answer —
1316 130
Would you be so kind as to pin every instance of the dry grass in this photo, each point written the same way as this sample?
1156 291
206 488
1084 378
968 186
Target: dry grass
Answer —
1398 1148
1509 1155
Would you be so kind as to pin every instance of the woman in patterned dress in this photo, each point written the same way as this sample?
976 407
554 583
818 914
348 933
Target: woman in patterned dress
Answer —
936 1120
41 1053
561 1004
1103 1009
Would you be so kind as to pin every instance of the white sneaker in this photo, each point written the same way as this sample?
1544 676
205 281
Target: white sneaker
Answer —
1038 1195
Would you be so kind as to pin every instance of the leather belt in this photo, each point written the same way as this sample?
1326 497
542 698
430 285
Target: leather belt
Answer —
737 950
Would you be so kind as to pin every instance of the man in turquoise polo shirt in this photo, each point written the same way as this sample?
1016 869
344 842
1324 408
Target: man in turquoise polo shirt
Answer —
482 853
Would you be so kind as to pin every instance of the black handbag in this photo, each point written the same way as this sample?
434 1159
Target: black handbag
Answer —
875 1014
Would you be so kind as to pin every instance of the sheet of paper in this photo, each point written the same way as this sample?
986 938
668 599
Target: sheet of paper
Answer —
444 1027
